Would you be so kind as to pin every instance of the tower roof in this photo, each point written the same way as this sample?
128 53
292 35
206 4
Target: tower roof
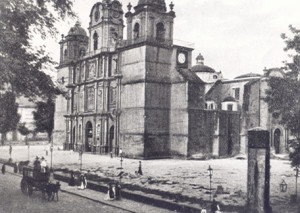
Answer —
77 30
158 5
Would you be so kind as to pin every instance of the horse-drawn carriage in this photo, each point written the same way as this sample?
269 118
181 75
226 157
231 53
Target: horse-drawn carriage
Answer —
35 180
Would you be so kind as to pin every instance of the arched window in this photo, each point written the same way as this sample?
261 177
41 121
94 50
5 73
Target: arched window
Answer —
136 31
160 31
95 38
65 53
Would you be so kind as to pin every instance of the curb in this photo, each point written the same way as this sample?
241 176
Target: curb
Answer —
147 199
144 197
161 203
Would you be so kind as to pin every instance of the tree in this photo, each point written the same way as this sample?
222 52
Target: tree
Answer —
44 117
283 95
9 116
20 63
24 130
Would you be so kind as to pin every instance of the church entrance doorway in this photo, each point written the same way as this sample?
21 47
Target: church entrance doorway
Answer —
111 138
88 137
277 134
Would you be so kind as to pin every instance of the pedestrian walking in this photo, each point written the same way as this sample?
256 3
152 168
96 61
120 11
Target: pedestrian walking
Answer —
83 182
3 169
15 168
72 179
110 193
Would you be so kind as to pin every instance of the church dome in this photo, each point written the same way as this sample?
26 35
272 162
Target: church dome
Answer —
248 75
200 67
77 30
156 4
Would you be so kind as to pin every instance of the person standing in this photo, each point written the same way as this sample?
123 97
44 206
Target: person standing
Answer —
43 165
215 208
3 169
110 193
72 179
118 191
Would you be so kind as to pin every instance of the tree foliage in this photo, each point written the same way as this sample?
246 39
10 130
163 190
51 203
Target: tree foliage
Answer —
20 63
9 116
283 96
23 129
44 117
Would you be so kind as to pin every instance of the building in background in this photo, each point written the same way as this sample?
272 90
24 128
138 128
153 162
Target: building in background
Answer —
25 110
142 94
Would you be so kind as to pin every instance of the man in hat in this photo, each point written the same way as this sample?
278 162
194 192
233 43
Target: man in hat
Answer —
37 164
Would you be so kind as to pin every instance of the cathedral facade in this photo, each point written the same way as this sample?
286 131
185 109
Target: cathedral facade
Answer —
139 95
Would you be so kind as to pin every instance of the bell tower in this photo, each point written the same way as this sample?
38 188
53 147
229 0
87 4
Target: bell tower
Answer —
145 63
106 26
150 21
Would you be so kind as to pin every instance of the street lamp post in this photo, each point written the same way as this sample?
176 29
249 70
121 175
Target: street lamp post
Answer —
80 157
283 186
10 151
28 152
210 172
296 175
51 150
121 155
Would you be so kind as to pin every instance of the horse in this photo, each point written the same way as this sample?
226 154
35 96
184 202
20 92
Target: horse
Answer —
51 189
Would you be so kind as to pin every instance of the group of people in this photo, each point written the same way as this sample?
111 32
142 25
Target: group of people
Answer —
82 181
113 192
40 165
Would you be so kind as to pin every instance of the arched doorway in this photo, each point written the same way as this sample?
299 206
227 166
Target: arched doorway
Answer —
277 134
111 138
88 137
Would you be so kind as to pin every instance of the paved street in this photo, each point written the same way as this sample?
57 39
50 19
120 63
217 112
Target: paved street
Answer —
14 201
182 177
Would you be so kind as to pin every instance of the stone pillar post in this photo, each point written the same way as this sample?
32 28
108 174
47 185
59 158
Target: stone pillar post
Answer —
258 184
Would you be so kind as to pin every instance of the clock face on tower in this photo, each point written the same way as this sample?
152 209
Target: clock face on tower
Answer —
182 59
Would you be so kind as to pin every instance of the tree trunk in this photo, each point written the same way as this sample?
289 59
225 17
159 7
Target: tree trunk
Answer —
3 138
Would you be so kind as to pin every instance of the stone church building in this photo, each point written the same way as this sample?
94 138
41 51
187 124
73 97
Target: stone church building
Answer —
142 94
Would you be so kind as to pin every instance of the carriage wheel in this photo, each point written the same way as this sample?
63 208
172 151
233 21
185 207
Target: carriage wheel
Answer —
24 186
30 190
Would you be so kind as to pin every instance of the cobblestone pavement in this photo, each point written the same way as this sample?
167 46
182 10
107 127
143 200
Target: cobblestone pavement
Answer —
14 201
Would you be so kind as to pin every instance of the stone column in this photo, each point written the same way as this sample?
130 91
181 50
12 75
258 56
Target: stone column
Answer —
258 184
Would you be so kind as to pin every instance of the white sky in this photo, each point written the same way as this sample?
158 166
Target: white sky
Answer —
234 36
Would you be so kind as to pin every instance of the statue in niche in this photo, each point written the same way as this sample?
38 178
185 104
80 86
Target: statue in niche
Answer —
100 97
113 96
92 70
90 97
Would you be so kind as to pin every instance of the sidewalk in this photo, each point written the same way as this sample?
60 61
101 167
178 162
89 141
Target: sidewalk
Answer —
125 204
